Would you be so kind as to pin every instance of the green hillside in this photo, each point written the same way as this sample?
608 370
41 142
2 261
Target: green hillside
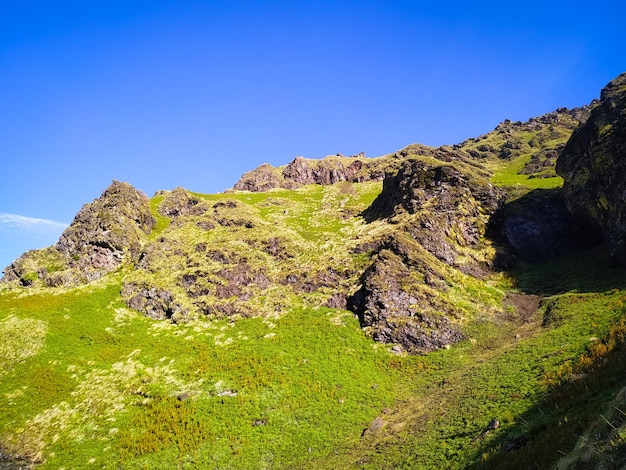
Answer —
376 319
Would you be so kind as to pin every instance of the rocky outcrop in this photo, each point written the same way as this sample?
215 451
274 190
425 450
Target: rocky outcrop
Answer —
180 203
334 169
263 178
541 137
327 171
185 272
105 234
441 212
593 164
303 171
399 301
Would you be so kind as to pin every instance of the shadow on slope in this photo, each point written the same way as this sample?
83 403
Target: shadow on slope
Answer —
581 421
589 271
538 227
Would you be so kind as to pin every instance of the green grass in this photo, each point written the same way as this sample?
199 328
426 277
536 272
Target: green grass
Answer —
106 376
507 174
287 392
86 382
517 371
162 222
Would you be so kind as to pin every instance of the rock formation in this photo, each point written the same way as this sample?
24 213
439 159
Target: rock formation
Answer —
441 212
219 257
593 164
104 235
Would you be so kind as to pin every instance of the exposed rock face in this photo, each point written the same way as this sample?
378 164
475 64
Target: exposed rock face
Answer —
263 178
593 165
398 301
180 203
302 171
539 227
328 171
442 212
107 232
334 169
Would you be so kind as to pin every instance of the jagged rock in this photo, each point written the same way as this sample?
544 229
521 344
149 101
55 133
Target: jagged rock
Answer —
419 183
593 164
263 178
180 203
337 168
542 163
158 304
326 171
451 208
442 211
394 305
107 232
104 234
542 137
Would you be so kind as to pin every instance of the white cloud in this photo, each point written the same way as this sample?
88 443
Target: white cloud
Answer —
19 234
30 224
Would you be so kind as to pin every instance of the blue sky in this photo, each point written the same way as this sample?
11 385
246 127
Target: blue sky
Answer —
194 93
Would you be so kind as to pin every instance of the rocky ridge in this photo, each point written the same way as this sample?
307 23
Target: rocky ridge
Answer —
337 168
427 235
542 139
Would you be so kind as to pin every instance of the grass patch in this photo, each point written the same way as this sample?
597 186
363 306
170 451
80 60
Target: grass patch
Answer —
113 388
507 174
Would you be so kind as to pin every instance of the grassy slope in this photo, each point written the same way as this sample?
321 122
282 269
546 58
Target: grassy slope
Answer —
86 382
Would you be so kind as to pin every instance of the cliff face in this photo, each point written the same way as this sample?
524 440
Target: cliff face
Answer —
593 165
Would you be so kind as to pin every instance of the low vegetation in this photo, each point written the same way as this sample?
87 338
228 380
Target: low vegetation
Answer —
228 343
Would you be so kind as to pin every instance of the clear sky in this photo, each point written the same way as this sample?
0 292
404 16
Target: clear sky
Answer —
194 93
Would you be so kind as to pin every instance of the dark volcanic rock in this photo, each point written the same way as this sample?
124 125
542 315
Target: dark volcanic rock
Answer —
107 232
394 306
263 178
542 137
419 183
441 212
593 165
158 304
542 163
326 171
303 171
334 169
180 203
539 227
